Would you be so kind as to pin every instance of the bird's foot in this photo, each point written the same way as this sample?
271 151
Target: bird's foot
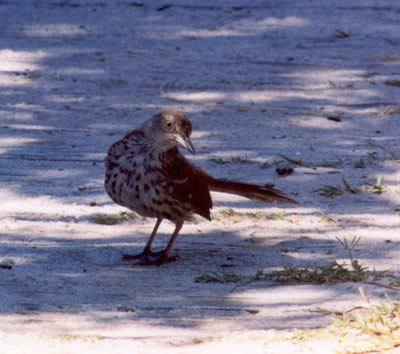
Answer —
142 255
148 257
164 258
157 261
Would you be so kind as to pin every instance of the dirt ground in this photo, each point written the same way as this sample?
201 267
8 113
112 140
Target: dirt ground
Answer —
312 85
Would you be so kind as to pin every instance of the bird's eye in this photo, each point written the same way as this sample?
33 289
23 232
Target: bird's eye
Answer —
168 124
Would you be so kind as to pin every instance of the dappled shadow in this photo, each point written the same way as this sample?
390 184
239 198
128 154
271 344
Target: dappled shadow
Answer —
257 82
94 278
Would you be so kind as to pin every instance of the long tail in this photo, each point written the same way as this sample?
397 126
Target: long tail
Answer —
266 194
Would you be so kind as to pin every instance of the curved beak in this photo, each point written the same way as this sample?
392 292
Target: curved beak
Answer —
185 142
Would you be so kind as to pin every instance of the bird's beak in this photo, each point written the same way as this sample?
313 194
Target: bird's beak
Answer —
186 143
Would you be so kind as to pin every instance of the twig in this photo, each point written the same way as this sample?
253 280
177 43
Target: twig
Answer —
337 313
393 155
387 286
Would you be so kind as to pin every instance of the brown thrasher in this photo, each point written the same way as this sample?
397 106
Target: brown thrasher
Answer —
146 173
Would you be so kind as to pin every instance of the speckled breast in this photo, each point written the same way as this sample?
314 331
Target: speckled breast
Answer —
135 180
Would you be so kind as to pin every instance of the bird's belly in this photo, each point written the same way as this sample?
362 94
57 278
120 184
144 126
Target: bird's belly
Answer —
141 191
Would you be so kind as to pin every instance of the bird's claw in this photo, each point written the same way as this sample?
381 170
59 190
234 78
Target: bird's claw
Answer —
148 257
163 258
142 255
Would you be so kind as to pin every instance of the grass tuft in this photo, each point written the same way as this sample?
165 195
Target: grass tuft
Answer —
112 219
219 277
360 329
233 215
360 163
295 161
327 218
393 155
279 216
239 160
330 273
236 216
329 191
333 191
376 188
386 111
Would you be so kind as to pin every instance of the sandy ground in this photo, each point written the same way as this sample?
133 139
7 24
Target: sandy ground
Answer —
315 81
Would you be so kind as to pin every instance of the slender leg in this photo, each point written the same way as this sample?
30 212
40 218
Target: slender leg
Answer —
164 255
144 255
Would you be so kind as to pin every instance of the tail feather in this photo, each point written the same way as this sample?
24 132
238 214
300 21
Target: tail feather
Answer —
266 194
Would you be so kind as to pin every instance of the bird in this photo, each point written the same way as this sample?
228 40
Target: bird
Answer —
146 173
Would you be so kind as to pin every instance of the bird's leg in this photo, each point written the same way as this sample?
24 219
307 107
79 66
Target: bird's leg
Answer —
146 253
163 258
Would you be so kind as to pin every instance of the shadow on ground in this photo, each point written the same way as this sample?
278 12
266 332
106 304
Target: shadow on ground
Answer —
257 81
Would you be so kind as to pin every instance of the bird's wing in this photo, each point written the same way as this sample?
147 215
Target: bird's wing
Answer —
187 183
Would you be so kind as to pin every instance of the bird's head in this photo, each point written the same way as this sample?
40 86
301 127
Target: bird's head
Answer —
170 128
